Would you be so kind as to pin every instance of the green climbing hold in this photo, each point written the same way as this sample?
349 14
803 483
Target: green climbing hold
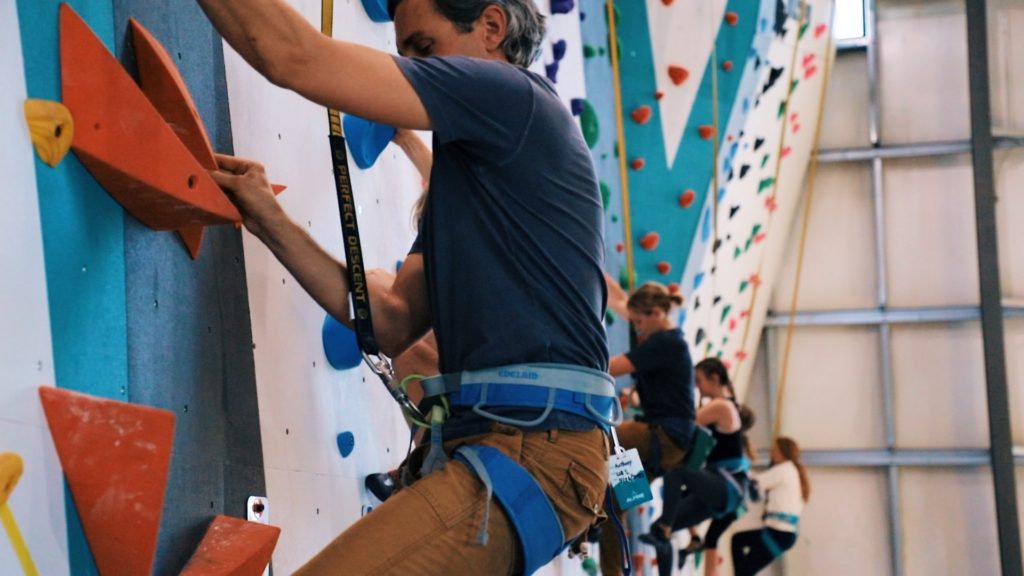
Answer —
765 184
720 354
749 242
606 194
589 51
609 318
601 51
725 312
725 341
764 161
615 148
803 29
782 109
756 230
615 218
624 279
737 253
793 85
743 286
604 155
589 124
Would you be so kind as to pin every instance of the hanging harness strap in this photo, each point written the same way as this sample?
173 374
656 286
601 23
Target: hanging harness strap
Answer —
581 391
734 471
527 507
769 542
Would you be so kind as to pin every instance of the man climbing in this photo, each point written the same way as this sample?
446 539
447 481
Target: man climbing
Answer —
506 270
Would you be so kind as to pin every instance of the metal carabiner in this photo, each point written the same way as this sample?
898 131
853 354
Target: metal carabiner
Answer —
381 366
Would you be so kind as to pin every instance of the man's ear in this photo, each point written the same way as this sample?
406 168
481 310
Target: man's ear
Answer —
493 23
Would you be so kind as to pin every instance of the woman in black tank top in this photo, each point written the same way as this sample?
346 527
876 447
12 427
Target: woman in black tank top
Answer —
719 489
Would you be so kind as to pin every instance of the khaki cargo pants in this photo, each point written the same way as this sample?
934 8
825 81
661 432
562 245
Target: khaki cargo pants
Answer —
431 526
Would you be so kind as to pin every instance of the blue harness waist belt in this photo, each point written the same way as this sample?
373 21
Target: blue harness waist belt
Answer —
791 519
574 389
526 505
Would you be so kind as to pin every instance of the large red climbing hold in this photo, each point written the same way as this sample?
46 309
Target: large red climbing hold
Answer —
678 74
664 267
706 132
620 247
641 115
115 457
687 198
673 288
650 241
637 164
727 65
233 547
732 18
667 2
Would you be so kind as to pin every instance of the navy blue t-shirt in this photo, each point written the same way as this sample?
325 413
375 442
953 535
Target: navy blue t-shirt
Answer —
664 376
512 233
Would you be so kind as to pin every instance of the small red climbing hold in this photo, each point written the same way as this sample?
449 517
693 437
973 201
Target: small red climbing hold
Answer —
678 74
744 314
641 115
706 132
727 65
809 59
755 280
687 198
667 2
770 204
728 365
659 95
741 355
760 237
619 247
786 151
732 18
664 267
673 288
637 164
732 324
650 241
819 30
810 72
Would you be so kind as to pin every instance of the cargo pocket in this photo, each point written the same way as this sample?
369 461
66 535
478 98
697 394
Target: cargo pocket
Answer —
587 488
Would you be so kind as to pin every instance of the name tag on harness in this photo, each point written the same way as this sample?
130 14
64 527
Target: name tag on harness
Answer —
628 479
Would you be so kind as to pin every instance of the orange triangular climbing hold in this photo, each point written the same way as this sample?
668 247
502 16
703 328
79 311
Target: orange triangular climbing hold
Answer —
116 457
233 547
126 144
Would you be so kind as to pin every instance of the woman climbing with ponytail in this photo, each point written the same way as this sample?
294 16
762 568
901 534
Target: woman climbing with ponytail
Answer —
719 489
787 487
663 370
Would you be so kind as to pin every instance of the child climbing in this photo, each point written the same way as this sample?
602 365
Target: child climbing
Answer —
513 223
663 370
787 487
691 497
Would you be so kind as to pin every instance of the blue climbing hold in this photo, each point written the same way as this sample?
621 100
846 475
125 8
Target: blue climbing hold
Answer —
366 139
576 105
340 345
705 229
721 193
346 443
558 50
697 280
398 265
551 71
562 6
377 10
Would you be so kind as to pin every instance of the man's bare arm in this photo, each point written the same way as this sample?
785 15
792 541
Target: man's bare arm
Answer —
281 45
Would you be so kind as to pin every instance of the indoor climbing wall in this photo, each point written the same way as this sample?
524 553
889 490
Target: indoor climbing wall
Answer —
683 68
762 180
131 315
324 429
26 353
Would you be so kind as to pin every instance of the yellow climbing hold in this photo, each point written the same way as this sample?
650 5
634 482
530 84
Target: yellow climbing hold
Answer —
11 468
10 471
52 129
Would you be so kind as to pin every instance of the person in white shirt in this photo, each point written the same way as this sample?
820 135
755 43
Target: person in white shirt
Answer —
787 488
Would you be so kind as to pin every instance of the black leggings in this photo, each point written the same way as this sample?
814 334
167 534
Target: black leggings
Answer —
751 553
717 528
706 495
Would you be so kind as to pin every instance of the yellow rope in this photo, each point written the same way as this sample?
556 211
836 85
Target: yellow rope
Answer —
775 183
804 227
17 542
613 48
327 27
713 280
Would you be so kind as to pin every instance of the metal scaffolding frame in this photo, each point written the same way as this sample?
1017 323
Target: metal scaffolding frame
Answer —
1002 456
